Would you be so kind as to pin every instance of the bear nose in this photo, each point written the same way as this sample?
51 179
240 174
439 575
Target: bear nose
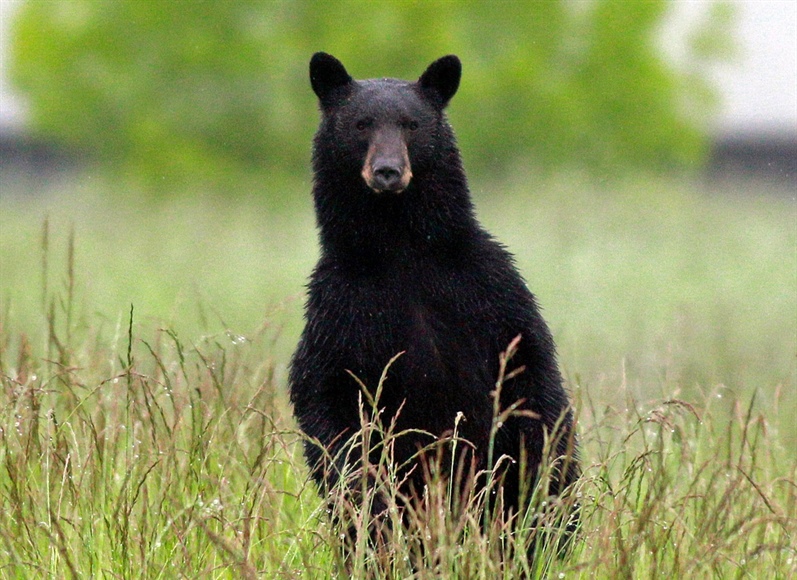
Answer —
387 178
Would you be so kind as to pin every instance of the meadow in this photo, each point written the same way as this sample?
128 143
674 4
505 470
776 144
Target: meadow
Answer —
145 429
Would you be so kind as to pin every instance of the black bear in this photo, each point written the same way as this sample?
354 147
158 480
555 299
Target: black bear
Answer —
406 268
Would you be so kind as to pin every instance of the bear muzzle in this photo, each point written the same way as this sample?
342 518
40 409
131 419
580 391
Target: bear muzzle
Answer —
387 164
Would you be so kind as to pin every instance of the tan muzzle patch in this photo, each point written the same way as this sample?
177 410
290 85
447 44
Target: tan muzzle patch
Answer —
387 163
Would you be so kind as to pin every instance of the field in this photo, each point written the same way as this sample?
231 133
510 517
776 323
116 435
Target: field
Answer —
144 423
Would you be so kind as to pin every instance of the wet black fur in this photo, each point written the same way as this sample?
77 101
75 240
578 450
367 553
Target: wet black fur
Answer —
414 272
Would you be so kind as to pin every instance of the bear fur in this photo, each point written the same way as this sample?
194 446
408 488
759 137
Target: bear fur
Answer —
405 268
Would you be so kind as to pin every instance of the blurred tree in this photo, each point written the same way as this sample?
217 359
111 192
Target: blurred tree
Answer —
196 91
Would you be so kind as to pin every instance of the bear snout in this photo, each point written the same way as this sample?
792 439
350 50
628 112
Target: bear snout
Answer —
386 178
387 164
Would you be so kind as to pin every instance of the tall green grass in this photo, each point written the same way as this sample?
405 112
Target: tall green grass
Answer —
155 440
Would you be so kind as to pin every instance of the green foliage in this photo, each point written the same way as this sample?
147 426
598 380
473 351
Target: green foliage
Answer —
149 457
184 92
657 276
127 450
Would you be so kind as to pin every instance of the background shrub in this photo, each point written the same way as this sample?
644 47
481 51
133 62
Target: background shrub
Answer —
184 92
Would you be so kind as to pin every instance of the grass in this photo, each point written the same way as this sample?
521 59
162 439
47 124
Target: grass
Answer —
157 441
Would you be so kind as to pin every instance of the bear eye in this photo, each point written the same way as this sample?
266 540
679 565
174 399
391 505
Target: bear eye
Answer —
362 125
412 125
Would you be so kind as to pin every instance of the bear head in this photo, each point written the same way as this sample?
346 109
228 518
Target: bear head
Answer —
382 132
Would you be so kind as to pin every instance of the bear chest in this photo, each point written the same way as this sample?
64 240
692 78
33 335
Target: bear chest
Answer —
445 364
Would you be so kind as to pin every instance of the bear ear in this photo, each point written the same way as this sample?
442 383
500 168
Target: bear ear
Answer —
326 75
441 79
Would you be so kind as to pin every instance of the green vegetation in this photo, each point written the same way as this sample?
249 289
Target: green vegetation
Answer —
175 94
158 442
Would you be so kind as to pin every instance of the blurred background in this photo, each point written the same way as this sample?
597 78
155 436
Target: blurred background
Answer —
639 158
